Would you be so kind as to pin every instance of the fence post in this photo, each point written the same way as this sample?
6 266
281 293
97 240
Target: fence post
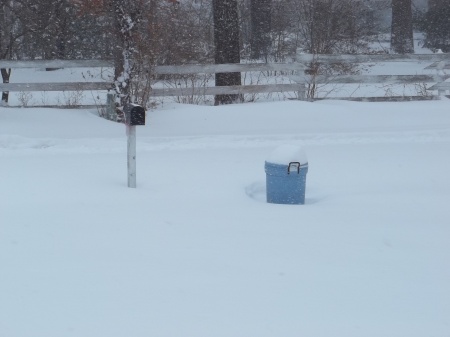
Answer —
301 93
111 113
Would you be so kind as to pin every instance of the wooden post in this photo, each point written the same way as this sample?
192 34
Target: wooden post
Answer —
131 155
111 107
301 93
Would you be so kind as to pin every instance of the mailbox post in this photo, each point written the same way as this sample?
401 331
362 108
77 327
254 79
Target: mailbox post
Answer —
134 115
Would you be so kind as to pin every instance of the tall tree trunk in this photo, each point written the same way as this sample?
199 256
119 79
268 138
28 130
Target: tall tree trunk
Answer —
401 28
227 47
6 74
127 18
260 13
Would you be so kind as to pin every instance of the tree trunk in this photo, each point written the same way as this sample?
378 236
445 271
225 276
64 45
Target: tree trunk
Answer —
127 17
227 46
401 29
260 12
6 73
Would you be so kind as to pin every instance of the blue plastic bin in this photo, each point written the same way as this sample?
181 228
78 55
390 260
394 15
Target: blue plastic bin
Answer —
286 183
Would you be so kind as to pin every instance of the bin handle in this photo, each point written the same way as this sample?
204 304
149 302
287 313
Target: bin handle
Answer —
294 163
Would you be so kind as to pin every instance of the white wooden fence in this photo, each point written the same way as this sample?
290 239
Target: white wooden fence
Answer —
159 70
435 61
435 82
229 68
56 86
296 72
301 81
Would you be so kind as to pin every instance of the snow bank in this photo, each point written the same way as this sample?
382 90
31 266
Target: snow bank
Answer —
196 251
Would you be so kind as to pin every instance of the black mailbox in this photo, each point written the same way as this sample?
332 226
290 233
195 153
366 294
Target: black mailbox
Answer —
134 114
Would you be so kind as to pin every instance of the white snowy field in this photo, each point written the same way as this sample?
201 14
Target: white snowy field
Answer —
195 251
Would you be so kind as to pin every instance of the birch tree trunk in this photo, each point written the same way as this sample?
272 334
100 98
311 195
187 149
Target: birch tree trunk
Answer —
126 19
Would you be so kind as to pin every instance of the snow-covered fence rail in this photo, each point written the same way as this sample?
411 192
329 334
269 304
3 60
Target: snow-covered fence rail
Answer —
301 79
228 90
439 62
359 79
299 76
370 58
158 70
57 86
76 87
55 64
227 68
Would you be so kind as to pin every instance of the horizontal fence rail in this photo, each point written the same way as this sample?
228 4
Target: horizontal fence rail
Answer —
371 58
55 63
70 86
296 73
227 90
440 86
440 62
158 70
226 68
360 79
442 65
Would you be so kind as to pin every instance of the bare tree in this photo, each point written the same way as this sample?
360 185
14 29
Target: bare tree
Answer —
177 32
18 19
125 17
330 26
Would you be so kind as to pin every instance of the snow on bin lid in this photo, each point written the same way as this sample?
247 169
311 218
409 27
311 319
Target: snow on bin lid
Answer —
286 154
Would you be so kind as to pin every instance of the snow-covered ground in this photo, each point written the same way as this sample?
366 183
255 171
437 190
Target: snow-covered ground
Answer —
196 251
